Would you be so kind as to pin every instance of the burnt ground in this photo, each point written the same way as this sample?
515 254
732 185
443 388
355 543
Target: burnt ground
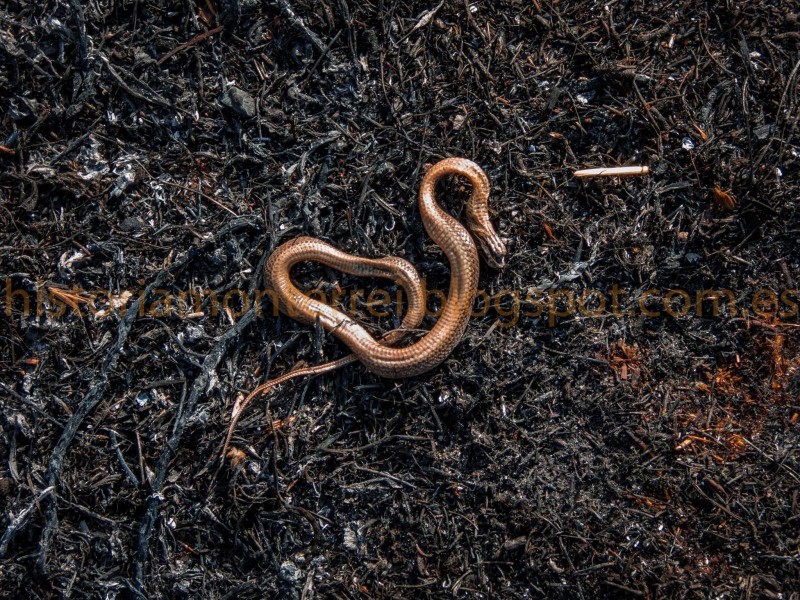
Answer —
147 150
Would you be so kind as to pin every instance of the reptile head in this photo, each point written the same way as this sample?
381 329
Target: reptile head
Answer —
492 247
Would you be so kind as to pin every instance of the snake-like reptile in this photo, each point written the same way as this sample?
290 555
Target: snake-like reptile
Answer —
382 357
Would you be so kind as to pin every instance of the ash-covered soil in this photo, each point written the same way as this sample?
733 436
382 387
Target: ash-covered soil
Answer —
597 433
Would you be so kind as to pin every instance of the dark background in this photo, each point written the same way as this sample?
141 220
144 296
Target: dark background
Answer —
605 456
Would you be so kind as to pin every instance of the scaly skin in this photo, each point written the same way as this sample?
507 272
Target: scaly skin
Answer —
380 356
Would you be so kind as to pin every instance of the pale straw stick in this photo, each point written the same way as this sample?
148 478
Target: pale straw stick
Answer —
612 171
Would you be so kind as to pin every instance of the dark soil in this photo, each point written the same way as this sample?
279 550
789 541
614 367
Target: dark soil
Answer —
150 148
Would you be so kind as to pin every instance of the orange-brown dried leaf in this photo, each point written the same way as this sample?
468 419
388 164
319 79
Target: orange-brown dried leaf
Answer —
235 456
723 198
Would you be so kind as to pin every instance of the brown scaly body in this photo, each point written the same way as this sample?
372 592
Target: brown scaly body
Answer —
380 356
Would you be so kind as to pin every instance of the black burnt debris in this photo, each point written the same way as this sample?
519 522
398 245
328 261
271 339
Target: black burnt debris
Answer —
622 416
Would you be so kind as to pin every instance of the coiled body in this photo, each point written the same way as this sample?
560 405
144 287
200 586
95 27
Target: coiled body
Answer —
381 356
